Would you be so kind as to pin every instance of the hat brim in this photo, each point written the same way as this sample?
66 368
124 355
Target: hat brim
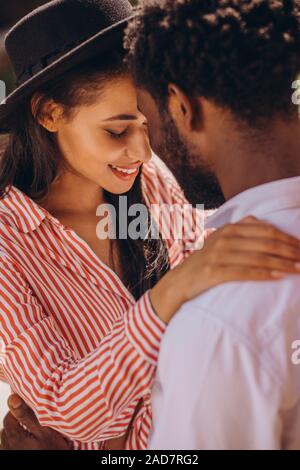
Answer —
98 44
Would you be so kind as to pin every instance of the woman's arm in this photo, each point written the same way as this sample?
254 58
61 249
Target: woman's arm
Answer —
249 250
83 399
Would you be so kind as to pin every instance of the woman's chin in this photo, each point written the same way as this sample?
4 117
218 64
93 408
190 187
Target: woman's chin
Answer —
119 187
119 192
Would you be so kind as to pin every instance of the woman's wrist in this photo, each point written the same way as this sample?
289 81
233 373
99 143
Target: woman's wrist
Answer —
168 295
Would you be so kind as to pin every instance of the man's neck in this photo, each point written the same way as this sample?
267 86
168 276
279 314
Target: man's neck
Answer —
257 160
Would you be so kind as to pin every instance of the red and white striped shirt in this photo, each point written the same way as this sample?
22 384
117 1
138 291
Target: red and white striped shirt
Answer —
74 342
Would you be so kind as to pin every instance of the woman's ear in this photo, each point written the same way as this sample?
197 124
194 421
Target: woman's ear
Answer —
183 110
47 113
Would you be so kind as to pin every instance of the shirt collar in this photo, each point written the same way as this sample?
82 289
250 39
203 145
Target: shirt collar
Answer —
258 201
22 211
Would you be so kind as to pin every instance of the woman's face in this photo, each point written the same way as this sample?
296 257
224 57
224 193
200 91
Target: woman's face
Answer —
107 142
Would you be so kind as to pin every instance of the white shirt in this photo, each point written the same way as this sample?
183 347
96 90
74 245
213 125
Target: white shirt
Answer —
228 376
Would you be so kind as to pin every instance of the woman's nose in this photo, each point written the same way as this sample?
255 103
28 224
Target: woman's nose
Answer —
139 148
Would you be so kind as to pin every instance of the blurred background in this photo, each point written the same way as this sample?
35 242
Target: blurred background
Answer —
10 12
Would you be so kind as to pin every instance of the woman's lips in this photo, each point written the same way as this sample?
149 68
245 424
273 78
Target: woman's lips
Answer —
124 173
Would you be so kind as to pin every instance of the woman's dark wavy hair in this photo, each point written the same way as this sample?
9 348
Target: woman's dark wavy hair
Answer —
240 54
31 158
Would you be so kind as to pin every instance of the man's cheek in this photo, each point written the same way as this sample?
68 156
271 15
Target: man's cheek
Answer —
156 141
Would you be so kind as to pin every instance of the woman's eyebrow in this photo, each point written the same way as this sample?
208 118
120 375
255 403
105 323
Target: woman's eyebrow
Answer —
122 117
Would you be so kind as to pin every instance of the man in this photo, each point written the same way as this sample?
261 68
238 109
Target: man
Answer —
215 82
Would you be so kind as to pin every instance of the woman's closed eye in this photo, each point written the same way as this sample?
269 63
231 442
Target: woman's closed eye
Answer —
116 135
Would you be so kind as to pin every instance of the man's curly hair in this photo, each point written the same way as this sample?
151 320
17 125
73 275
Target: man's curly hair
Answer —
240 54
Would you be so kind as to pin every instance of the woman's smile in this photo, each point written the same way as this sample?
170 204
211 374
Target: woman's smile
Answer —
125 173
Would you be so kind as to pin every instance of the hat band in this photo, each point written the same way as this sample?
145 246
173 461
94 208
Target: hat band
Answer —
45 61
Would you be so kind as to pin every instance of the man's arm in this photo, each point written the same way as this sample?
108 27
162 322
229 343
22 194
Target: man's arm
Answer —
212 391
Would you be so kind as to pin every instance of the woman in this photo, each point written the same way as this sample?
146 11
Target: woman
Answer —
81 318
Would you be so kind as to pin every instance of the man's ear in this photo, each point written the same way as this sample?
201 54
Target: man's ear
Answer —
183 109
48 114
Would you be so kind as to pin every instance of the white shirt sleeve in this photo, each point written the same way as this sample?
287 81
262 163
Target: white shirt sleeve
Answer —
212 391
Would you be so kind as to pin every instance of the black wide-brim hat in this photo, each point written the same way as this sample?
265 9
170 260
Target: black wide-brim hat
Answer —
57 37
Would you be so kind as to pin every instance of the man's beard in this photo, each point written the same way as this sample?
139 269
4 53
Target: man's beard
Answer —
199 184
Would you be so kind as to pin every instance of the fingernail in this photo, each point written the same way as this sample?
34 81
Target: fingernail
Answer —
297 266
14 402
278 274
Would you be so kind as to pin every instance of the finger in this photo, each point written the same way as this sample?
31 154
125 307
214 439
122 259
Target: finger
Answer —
19 440
24 415
250 219
208 232
14 436
42 437
52 439
260 260
238 273
261 230
258 245
12 427
4 441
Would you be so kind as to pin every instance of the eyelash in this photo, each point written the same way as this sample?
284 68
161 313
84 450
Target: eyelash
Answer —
115 135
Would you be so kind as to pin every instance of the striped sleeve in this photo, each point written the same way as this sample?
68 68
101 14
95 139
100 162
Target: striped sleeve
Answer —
81 399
